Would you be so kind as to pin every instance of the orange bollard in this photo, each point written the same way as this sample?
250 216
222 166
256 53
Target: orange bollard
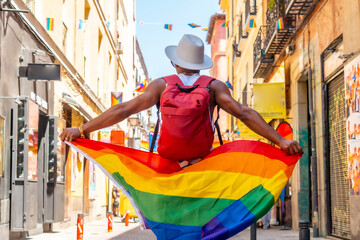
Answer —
110 221
80 227
127 218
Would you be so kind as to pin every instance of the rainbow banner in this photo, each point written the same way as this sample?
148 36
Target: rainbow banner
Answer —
116 98
193 25
227 191
280 24
168 27
50 24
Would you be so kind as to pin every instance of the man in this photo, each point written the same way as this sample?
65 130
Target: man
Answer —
188 58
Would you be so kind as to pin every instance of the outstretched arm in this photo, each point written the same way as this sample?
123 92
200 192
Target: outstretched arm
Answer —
251 118
119 112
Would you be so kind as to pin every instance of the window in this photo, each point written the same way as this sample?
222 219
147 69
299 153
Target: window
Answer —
87 10
2 143
33 140
240 29
64 32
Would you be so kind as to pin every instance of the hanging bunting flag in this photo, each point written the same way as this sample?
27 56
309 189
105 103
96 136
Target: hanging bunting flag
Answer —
204 29
193 25
142 23
225 24
229 84
280 24
116 98
108 24
50 24
168 27
81 24
246 179
251 23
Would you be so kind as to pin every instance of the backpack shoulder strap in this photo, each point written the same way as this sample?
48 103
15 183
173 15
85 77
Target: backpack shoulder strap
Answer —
173 80
204 81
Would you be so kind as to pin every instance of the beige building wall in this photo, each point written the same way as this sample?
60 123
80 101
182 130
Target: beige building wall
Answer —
240 68
101 53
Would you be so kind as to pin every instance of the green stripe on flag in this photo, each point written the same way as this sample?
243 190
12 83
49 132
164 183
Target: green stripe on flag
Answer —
170 209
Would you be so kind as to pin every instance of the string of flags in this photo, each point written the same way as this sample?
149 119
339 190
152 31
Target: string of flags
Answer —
170 27
82 24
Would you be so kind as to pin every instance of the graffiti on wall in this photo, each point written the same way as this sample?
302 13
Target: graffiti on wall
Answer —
352 98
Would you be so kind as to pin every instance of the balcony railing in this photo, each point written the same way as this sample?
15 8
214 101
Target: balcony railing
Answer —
297 7
276 39
262 61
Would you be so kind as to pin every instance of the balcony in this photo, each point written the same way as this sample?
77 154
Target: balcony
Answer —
276 39
262 60
297 7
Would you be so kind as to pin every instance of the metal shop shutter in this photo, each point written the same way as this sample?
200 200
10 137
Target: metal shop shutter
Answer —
339 193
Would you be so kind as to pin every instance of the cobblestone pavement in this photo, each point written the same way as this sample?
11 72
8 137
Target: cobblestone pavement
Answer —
98 230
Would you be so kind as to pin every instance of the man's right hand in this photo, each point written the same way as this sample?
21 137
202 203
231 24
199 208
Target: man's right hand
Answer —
290 147
70 134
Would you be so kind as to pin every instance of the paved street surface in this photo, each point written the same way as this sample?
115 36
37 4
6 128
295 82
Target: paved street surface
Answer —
98 230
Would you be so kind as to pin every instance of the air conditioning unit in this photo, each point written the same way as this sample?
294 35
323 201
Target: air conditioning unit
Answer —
119 48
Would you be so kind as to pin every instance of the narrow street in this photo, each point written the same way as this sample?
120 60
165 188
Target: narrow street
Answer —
98 230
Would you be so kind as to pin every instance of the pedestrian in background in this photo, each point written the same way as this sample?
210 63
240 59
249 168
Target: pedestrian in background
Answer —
116 200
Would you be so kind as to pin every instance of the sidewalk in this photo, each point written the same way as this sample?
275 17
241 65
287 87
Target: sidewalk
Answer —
98 230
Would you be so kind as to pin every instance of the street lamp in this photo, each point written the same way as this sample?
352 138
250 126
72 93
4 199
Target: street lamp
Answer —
133 121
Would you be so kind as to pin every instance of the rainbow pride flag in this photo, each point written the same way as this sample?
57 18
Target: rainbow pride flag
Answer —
168 26
142 86
204 29
229 84
231 188
280 24
50 24
225 24
252 23
193 25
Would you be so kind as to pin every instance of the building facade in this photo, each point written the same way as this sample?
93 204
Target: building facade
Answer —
310 48
216 37
44 184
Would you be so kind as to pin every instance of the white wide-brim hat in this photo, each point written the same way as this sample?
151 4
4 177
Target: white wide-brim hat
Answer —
189 53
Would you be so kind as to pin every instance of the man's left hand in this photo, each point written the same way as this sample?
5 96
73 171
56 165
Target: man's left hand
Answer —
290 147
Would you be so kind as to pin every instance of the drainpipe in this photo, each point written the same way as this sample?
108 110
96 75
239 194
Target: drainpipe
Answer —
313 158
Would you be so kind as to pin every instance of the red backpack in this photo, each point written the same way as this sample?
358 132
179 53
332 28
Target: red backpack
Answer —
186 130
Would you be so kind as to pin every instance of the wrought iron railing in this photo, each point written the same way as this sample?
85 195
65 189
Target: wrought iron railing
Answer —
259 45
271 18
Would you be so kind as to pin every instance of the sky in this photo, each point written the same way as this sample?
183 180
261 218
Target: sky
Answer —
152 36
